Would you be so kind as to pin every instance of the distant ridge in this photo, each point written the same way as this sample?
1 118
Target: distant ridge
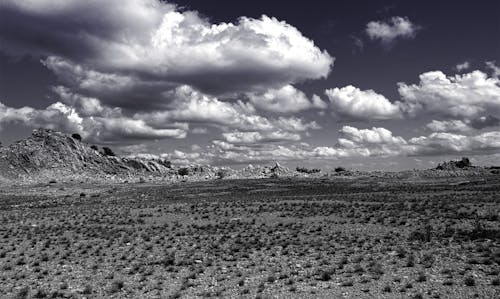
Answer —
48 155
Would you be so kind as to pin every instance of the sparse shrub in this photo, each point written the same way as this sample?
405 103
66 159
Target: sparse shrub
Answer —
183 171
347 283
410 260
22 293
222 173
448 282
469 281
422 234
106 151
308 171
87 290
76 136
339 169
94 147
495 282
116 286
421 277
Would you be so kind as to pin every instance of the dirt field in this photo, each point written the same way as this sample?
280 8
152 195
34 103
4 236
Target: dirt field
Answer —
279 238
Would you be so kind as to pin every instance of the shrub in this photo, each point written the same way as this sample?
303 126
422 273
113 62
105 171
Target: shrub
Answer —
421 277
469 281
495 282
94 147
116 286
22 293
106 151
423 234
386 289
222 173
339 169
76 136
308 171
183 171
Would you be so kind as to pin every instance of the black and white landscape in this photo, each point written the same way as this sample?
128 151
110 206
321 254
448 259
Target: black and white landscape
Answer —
263 149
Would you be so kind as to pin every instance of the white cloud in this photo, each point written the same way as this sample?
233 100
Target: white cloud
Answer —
114 128
371 136
195 107
495 70
351 102
446 143
448 126
286 99
462 66
392 29
461 96
259 137
354 142
149 41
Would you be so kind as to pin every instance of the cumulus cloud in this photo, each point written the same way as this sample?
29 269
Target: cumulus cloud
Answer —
352 102
462 66
110 128
259 137
495 70
371 136
466 96
464 126
449 143
389 31
286 99
485 122
193 106
448 126
150 42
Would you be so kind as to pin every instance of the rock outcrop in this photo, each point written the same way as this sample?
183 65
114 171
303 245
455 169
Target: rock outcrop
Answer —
454 165
52 154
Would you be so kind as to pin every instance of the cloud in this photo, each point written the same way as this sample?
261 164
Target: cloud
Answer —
485 122
351 102
448 126
286 99
107 128
495 70
105 46
462 66
389 31
449 143
464 96
465 126
371 136
259 137
247 147
193 106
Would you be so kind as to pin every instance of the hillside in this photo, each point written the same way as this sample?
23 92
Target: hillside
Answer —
48 154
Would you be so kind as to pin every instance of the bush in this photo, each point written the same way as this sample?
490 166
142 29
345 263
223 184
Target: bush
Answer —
339 169
222 173
95 148
116 286
183 171
106 151
76 136
306 170
469 281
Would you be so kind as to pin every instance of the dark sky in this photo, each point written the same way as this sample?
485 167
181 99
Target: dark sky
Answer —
444 35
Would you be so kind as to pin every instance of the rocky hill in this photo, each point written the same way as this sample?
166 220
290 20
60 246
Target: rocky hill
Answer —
47 154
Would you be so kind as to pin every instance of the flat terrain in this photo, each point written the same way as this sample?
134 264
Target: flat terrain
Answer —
304 238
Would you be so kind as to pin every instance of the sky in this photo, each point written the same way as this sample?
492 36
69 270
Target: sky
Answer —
372 85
